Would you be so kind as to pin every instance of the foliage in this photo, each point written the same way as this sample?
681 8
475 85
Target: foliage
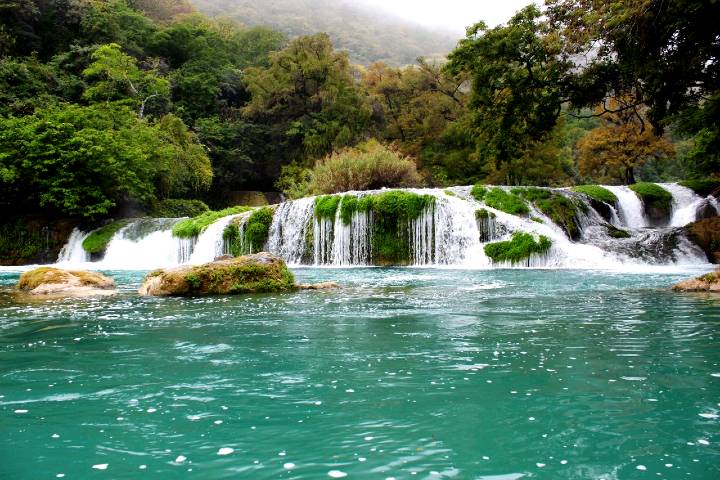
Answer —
176 208
519 248
193 227
516 72
653 195
481 214
97 241
702 187
326 206
257 227
84 161
598 193
369 166
613 151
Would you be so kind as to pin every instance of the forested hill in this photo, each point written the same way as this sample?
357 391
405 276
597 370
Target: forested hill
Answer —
367 36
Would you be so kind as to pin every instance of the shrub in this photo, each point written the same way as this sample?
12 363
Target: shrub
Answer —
175 208
702 187
596 192
368 166
192 227
520 247
653 195
478 191
257 227
98 240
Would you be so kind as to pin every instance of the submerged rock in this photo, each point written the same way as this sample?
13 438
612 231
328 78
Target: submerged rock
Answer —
707 283
318 286
257 273
705 234
55 281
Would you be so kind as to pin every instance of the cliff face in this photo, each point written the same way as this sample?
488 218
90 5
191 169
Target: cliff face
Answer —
706 234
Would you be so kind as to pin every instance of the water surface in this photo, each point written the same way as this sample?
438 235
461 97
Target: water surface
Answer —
403 373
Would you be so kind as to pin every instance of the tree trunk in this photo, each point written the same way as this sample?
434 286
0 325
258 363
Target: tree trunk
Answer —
630 175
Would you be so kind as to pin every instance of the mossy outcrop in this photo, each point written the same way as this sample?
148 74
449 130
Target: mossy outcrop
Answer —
703 187
55 281
499 199
657 202
709 282
96 243
255 273
705 234
615 232
560 209
519 249
245 236
600 198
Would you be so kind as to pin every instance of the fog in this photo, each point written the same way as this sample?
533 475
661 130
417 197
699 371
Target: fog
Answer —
451 15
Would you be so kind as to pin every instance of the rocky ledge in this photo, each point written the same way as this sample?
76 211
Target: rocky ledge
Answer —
257 273
58 282
707 283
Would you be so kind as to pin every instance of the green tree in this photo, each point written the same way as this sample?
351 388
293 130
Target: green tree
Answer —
116 76
310 89
517 72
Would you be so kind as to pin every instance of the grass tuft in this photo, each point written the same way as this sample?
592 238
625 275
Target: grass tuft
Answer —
520 247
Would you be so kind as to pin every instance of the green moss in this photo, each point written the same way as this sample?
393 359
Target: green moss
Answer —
175 208
482 214
326 206
560 209
702 187
507 202
257 227
192 227
519 248
98 240
615 232
596 192
653 195
479 191
348 207
450 193
537 220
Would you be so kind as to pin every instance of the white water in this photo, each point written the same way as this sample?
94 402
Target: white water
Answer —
73 252
632 213
446 233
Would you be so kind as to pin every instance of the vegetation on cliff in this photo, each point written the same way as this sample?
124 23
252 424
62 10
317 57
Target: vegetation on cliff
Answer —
653 195
518 249
597 192
192 227
97 241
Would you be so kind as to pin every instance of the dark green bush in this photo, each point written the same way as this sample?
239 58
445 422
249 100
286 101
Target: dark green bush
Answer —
520 247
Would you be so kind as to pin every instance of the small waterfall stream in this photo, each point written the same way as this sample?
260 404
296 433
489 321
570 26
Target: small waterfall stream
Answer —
449 232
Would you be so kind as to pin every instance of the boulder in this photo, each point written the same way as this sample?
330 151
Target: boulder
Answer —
706 234
55 281
707 283
257 273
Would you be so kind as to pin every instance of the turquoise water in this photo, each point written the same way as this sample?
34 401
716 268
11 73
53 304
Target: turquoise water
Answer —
404 373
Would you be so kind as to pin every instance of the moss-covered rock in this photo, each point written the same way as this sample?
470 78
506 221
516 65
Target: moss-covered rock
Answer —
192 227
704 187
615 232
518 249
33 239
705 233
55 281
255 273
709 282
560 209
253 235
656 200
600 198
96 243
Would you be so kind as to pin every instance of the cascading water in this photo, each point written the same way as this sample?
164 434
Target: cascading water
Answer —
73 252
632 213
451 231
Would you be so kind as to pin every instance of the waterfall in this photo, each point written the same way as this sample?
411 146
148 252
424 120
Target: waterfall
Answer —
632 212
210 243
144 244
453 230
73 252
289 230
685 204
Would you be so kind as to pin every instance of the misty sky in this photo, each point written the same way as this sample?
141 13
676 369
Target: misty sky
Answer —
452 15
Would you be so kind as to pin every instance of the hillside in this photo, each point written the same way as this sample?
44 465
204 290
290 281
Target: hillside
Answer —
368 36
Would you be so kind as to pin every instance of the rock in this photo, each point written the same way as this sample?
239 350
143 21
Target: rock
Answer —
705 233
54 281
318 286
707 283
257 273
